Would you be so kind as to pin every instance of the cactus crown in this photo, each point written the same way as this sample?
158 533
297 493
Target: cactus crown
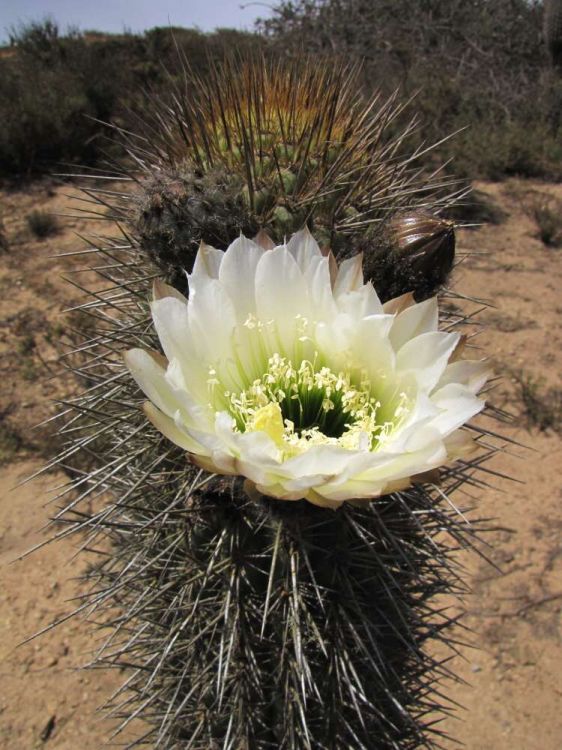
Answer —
274 145
307 146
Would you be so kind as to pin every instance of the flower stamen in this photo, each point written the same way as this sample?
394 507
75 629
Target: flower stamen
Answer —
308 404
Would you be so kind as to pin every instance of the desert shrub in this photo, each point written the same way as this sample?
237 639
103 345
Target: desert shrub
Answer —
4 244
52 91
477 65
42 122
546 211
42 224
479 68
12 440
56 91
477 208
542 405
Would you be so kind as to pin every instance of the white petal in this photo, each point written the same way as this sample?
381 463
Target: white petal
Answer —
170 320
413 321
471 373
457 404
398 304
297 313
150 376
360 302
322 463
423 437
279 492
460 445
153 380
372 482
425 357
320 289
207 264
218 445
335 338
422 412
254 454
170 317
212 320
160 290
170 430
350 276
237 275
263 240
281 295
371 349
323 502
304 248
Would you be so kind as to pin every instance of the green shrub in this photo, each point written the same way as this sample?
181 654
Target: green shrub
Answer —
542 406
50 93
57 91
477 208
477 65
4 244
546 211
42 224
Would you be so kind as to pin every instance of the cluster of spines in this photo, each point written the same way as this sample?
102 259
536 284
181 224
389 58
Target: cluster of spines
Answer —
277 145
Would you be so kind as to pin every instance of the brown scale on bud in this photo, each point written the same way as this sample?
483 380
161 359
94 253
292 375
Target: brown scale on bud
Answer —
413 253
427 241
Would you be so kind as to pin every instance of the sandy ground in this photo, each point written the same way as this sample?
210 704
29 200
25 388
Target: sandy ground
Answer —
512 687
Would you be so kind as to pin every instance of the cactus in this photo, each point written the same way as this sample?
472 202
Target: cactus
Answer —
245 622
274 146
552 30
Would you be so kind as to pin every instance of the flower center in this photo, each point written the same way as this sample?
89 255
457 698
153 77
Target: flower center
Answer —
310 404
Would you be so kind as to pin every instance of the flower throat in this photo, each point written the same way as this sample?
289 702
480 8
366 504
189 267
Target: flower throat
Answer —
312 401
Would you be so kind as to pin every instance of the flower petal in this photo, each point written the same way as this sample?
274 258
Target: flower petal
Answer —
212 321
457 404
413 321
160 290
237 276
471 373
425 357
150 376
170 317
250 309
281 296
398 304
169 429
350 276
207 264
304 249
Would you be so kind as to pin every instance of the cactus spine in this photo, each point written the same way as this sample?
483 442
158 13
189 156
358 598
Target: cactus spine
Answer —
248 623
274 146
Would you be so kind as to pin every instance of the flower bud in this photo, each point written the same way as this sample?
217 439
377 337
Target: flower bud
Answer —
428 242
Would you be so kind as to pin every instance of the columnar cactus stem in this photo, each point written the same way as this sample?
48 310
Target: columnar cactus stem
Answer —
246 622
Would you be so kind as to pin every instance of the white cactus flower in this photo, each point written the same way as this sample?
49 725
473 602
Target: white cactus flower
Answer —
287 370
